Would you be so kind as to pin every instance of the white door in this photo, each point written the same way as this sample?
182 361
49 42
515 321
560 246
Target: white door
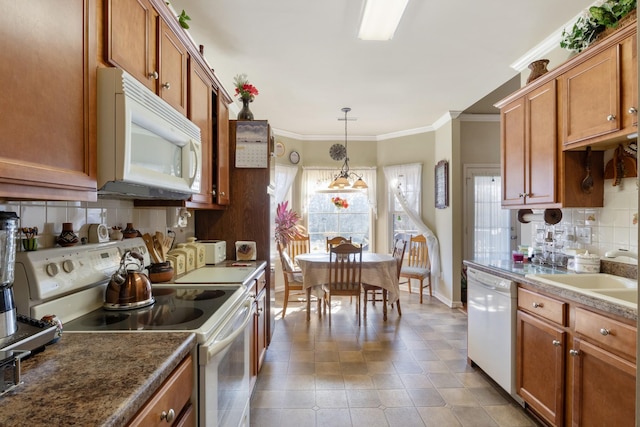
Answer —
490 231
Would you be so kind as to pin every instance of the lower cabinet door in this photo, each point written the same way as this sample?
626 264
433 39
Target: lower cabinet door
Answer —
540 365
604 387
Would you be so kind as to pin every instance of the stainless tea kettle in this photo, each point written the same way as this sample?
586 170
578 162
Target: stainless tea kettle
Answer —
129 287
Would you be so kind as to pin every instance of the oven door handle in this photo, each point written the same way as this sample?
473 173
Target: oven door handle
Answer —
221 345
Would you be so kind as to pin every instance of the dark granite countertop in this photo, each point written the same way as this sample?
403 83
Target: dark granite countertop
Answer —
93 379
516 272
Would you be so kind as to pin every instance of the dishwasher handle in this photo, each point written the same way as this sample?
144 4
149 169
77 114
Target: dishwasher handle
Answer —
489 281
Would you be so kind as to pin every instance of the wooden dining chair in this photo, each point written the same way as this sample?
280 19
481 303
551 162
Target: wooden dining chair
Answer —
292 277
418 266
399 247
345 268
298 245
336 241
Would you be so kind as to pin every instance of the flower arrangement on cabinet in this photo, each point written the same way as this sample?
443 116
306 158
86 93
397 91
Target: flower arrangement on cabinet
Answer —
243 88
340 203
287 227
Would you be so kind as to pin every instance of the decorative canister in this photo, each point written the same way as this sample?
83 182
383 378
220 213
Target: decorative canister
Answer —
177 262
586 263
201 251
188 254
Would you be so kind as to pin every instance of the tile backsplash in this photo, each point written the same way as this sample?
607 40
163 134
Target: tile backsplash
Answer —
49 216
614 226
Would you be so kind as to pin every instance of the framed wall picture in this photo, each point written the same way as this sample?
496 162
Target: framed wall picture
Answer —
442 184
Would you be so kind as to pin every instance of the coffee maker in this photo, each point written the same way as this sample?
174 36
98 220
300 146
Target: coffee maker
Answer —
8 232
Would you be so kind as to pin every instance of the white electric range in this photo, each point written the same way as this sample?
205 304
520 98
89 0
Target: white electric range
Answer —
211 302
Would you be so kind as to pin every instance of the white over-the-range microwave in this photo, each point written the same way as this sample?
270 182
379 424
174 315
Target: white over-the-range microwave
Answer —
146 148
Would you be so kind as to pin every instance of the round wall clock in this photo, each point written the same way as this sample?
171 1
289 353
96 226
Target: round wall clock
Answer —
279 149
294 157
338 152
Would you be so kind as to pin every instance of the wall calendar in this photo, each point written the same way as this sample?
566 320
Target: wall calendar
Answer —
252 144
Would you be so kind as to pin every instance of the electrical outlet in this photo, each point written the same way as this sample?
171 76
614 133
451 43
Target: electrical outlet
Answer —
583 235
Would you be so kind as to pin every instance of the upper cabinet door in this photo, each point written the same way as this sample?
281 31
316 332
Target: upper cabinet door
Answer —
131 39
513 152
200 113
48 67
542 137
591 97
221 166
173 58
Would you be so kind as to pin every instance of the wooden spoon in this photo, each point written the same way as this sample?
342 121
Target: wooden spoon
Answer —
148 241
587 182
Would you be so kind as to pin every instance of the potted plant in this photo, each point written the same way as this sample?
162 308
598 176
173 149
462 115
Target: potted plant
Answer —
287 227
593 23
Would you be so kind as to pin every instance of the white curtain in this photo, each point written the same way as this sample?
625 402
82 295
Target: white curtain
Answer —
285 175
318 179
410 202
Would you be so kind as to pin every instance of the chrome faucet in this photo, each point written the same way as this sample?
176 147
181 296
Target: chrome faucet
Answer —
621 252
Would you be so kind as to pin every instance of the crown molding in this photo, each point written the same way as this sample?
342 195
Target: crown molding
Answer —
545 46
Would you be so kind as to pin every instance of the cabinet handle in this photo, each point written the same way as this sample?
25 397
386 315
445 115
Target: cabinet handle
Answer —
556 343
213 193
168 416
537 305
604 331
166 85
222 193
611 118
633 110
153 75
574 352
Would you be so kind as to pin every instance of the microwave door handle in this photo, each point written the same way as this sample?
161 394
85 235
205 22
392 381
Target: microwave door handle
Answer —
221 345
195 162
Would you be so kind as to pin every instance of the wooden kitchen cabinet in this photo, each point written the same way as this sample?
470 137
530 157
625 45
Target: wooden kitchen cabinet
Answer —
200 112
141 42
540 346
529 152
259 336
575 366
604 387
172 61
48 101
599 95
131 39
536 172
591 97
171 403
220 172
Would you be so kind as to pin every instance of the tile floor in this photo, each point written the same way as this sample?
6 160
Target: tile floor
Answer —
408 371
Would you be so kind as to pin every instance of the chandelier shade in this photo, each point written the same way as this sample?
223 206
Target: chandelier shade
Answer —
342 180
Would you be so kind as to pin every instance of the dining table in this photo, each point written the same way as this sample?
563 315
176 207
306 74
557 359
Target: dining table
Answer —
377 269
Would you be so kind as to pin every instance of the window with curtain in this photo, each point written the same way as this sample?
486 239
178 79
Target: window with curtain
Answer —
407 178
326 218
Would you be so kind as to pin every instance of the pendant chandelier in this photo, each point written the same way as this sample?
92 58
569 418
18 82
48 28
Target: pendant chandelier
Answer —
342 180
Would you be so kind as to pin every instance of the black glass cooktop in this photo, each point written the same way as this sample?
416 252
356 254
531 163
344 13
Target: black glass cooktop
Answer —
174 309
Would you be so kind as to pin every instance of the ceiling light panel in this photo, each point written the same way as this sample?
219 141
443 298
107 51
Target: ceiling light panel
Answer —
380 19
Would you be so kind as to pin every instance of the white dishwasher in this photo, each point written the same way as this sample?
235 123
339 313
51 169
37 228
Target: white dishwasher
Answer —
491 327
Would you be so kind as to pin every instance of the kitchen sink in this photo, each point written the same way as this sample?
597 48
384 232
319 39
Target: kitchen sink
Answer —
586 281
628 295
609 287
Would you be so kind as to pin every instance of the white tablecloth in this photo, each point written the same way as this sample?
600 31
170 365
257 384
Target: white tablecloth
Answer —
377 269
